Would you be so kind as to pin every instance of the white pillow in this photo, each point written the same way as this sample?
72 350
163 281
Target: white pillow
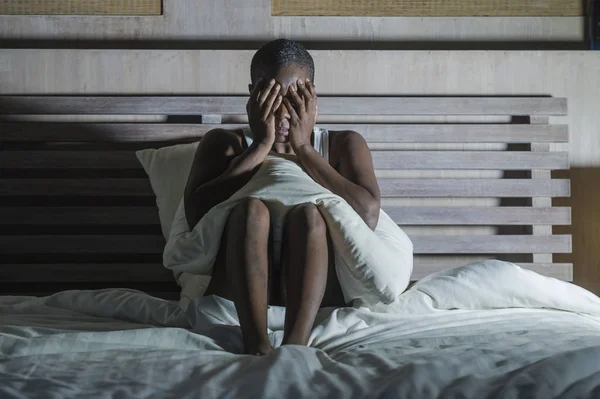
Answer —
168 169
492 284
372 265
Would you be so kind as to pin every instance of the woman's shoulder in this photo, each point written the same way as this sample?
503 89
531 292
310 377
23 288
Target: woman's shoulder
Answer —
221 138
341 142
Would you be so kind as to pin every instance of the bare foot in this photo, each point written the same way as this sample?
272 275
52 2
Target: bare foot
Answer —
262 349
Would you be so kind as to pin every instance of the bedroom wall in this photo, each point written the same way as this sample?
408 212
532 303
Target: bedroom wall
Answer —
575 75
227 24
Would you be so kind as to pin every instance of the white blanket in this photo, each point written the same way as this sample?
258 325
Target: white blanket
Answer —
51 352
121 343
373 266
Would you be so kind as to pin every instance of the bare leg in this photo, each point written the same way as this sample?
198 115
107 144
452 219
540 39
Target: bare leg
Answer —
247 264
305 263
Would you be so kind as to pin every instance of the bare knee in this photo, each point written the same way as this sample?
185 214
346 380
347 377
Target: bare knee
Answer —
247 235
306 219
251 212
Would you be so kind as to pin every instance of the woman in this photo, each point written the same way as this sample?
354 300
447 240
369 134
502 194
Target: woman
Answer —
282 111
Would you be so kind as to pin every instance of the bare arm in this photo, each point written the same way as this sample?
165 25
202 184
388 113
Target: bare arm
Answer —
355 182
355 178
221 167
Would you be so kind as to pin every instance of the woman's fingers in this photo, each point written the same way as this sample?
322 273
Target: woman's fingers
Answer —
290 108
309 96
254 95
268 106
311 88
303 89
297 99
266 92
300 97
277 103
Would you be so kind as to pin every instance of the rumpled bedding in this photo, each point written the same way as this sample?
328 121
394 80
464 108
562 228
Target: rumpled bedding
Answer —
373 266
444 338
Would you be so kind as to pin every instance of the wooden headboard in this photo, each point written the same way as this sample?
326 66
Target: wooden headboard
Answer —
77 211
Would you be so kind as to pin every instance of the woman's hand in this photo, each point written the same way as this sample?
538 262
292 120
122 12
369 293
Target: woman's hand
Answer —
261 107
303 113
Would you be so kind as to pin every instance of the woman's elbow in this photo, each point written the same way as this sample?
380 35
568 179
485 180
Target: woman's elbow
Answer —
371 213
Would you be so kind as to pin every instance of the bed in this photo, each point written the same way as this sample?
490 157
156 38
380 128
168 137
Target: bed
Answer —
88 310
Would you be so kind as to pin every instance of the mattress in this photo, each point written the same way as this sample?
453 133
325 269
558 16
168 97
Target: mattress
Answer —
124 343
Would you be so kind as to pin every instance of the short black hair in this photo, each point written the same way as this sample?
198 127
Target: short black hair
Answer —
277 54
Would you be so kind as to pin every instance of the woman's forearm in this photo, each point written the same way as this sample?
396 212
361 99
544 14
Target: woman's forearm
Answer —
360 199
238 173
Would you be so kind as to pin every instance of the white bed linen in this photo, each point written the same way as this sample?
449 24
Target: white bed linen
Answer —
122 343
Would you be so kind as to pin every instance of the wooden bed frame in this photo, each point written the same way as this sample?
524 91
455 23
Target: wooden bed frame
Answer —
77 211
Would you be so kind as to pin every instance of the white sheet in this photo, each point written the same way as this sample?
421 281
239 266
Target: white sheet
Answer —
120 343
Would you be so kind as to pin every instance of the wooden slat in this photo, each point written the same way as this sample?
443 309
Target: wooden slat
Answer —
145 215
69 160
499 160
85 272
155 272
514 188
381 133
221 105
543 175
106 132
209 119
478 215
492 244
562 271
63 187
58 215
462 133
82 244
151 244
389 187
412 160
